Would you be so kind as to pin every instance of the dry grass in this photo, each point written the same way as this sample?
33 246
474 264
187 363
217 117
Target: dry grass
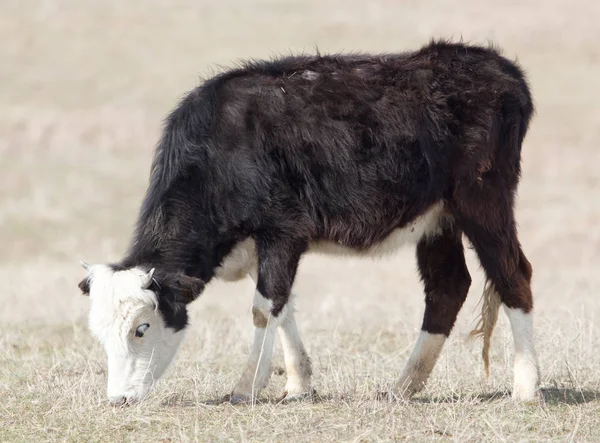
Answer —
83 86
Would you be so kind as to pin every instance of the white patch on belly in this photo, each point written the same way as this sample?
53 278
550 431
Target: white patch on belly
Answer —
242 260
426 225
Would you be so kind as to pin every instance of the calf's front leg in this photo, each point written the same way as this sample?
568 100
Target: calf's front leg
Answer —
297 363
277 265
256 375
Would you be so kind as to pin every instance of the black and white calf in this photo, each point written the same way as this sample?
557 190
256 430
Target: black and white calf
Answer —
339 154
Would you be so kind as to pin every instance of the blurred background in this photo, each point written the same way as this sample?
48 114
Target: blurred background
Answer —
84 86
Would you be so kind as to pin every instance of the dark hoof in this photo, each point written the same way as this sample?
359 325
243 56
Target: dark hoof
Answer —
238 399
292 398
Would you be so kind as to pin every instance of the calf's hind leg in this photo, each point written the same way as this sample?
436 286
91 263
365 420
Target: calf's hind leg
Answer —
509 274
485 212
446 279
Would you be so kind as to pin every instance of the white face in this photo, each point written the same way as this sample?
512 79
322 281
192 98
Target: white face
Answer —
125 318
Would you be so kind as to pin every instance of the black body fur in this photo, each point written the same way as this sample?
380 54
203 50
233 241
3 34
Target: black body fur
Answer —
343 149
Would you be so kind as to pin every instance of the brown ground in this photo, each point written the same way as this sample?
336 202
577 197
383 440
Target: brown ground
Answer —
83 87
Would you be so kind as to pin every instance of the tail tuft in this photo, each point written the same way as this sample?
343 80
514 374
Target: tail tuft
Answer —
487 321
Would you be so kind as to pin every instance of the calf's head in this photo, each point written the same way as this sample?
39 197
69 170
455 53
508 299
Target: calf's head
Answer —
140 319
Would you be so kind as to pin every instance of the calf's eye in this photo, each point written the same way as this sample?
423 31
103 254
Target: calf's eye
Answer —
141 329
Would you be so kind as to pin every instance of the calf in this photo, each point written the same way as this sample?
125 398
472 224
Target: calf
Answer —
343 154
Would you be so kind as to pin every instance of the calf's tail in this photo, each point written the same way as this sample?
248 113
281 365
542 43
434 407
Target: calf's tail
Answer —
490 305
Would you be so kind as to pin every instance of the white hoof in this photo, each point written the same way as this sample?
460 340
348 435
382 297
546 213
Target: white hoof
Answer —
526 382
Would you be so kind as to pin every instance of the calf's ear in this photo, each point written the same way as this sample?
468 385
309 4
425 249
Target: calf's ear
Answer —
186 288
84 285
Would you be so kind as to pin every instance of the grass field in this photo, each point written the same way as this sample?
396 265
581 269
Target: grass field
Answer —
83 88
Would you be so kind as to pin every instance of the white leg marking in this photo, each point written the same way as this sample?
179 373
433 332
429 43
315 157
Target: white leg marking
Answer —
526 370
420 364
297 362
256 375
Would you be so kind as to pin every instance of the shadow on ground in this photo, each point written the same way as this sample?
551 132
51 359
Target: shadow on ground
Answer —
177 400
569 396
551 396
